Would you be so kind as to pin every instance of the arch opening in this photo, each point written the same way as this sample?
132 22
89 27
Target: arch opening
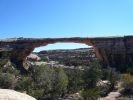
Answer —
68 54
59 45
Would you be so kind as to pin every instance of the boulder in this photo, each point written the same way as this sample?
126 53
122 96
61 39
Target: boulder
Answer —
33 57
6 94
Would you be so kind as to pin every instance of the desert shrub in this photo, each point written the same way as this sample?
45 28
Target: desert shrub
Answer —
130 70
5 54
127 84
7 67
8 74
91 76
127 80
75 80
24 83
42 77
112 76
45 59
38 93
104 89
60 82
3 62
90 94
6 80
48 82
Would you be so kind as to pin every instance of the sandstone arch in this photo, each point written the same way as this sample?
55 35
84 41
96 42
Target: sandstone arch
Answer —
111 51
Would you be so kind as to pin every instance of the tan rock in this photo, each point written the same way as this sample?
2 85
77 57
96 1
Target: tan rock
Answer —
6 94
113 51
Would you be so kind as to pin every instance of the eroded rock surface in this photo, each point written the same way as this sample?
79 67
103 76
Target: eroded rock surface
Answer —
6 94
112 51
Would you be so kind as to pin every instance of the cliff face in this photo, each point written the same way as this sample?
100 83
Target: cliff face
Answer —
113 51
116 52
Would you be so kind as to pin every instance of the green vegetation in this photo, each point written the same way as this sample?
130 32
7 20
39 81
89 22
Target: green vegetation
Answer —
90 94
75 80
127 87
92 75
44 82
127 84
49 83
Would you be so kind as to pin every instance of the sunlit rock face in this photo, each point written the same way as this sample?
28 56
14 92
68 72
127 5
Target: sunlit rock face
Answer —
33 57
6 94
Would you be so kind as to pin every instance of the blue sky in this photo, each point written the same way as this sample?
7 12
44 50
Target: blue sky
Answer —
65 18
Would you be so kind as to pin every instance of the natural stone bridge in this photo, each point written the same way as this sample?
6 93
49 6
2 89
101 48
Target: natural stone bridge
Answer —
113 51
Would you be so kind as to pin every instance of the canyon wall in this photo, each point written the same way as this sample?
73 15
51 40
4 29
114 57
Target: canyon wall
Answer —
111 51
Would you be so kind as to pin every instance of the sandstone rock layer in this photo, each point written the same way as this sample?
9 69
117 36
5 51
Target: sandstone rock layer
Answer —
111 51
6 94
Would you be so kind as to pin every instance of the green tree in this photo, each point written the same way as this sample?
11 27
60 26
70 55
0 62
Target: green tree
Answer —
7 80
109 74
90 94
92 75
59 83
114 77
42 76
75 83
48 82
25 83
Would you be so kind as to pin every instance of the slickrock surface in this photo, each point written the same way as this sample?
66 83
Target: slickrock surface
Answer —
6 94
111 96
